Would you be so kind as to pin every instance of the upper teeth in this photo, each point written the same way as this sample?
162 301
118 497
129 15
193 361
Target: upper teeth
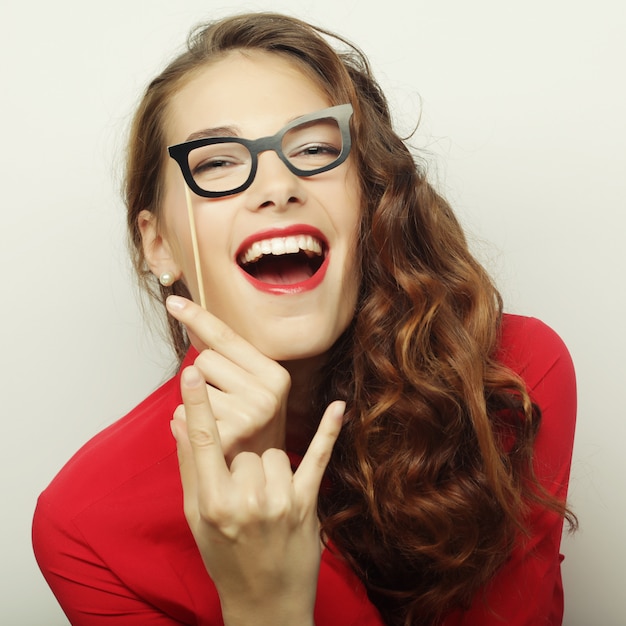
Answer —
281 245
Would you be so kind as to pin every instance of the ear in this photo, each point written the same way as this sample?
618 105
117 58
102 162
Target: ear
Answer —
156 249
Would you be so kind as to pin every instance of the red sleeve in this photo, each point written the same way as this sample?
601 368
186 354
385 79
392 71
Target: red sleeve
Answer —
86 588
528 590
102 528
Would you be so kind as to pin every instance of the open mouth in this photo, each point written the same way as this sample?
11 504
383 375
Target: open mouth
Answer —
283 260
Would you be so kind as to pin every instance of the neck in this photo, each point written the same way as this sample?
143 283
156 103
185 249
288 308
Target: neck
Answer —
302 421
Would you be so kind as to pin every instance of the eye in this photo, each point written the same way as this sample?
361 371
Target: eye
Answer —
215 163
313 145
317 150
218 160
313 156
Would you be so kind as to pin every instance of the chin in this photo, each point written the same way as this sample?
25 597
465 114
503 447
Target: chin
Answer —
285 352
282 343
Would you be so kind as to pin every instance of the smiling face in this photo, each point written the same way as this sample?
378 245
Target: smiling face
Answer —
278 259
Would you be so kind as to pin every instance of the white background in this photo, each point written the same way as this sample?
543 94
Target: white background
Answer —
523 110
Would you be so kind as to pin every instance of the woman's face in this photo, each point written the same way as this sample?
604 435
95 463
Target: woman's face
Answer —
287 312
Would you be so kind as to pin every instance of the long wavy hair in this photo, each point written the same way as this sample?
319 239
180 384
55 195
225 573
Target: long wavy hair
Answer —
432 474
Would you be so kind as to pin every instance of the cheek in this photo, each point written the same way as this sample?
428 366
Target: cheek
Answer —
350 223
176 232
174 212
352 201
352 268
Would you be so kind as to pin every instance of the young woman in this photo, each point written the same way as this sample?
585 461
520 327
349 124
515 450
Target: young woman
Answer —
360 436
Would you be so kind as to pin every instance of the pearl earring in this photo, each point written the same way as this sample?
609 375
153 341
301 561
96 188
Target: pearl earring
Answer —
167 279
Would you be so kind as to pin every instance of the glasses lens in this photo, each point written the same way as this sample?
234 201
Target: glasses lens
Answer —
313 145
220 166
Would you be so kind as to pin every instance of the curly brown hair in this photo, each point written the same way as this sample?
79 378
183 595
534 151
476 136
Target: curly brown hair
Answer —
432 474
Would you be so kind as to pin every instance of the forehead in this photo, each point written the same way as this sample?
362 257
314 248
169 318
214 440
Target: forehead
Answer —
254 92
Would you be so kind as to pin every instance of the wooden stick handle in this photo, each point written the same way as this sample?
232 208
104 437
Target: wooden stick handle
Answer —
194 245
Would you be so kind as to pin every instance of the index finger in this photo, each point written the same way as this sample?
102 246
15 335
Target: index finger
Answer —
215 334
204 438
308 477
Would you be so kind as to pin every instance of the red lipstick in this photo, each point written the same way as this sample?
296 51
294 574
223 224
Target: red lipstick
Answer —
281 274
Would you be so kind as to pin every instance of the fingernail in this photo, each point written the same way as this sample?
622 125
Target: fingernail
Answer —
175 303
191 377
340 409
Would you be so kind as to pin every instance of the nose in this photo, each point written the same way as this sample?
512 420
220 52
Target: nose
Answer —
274 185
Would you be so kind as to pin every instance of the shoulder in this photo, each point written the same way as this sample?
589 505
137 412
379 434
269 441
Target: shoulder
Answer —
534 351
539 356
118 497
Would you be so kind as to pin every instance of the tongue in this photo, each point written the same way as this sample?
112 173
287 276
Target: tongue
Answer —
282 270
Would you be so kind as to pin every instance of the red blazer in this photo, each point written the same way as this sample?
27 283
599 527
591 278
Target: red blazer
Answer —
111 539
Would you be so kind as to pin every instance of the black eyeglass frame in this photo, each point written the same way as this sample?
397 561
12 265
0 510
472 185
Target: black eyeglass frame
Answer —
341 113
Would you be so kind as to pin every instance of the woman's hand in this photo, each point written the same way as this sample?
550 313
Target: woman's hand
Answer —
247 390
254 522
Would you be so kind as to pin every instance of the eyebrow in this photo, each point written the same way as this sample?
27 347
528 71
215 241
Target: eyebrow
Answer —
218 131
228 131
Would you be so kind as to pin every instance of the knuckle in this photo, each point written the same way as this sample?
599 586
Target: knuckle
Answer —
224 334
191 313
217 512
268 403
253 417
273 455
282 507
244 426
203 359
244 458
255 503
202 437
282 379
